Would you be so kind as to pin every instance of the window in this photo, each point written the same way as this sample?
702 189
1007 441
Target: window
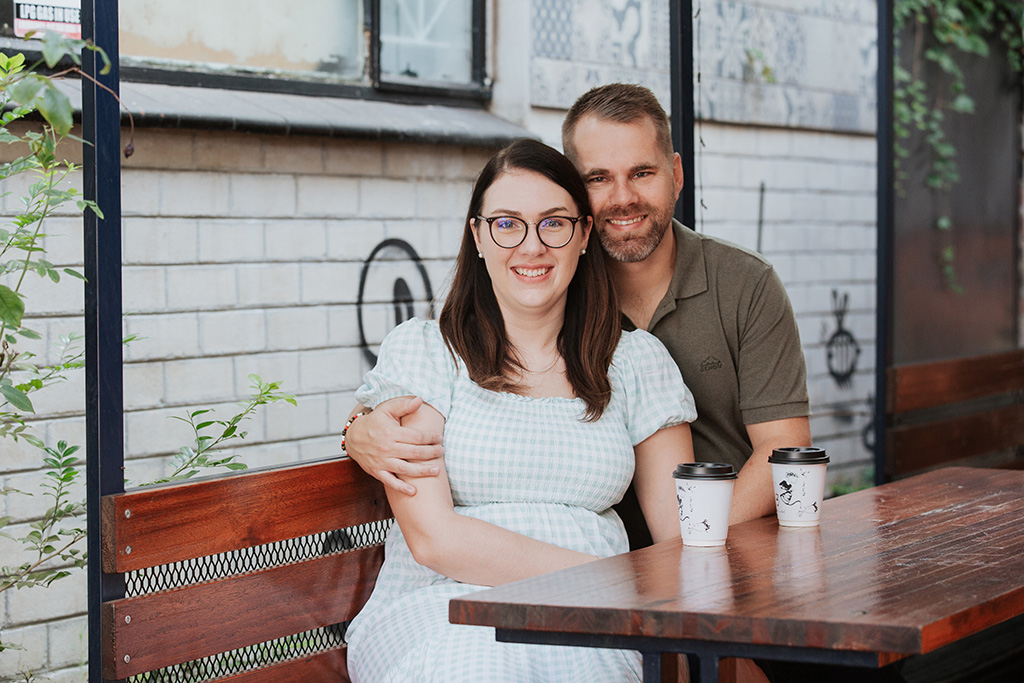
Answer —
365 48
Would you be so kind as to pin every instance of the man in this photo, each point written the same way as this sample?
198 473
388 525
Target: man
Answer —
721 311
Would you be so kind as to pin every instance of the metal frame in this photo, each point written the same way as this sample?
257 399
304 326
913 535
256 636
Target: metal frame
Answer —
702 655
104 409
682 116
884 246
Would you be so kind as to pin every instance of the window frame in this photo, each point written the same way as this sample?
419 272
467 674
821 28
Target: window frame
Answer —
371 86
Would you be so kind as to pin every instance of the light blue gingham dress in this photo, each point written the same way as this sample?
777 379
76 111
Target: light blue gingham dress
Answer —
527 464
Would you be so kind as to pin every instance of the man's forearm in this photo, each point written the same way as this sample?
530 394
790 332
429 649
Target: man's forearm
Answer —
754 495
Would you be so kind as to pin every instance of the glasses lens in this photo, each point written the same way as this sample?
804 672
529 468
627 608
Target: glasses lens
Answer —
507 231
555 231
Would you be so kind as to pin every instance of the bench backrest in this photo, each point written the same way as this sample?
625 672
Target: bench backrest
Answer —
955 409
224 564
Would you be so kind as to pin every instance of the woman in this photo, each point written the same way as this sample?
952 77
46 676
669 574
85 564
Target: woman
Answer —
546 409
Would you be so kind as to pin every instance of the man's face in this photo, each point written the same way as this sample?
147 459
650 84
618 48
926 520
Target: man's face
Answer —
633 186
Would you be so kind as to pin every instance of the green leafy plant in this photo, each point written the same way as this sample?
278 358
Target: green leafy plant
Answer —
50 542
26 91
942 31
202 454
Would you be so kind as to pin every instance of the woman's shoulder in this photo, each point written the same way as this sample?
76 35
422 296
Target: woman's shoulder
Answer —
414 337
414 330
639 343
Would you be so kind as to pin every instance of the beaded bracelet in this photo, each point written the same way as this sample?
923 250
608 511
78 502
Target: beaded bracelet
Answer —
348 424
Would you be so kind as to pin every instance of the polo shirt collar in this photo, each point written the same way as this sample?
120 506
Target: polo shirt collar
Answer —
690 277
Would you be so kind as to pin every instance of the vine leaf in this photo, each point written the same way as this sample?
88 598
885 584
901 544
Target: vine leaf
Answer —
17 398
12 308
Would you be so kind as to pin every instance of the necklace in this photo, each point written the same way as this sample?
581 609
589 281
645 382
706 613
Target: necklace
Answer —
541 372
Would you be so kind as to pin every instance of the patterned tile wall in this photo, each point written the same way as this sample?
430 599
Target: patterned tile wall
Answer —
821 53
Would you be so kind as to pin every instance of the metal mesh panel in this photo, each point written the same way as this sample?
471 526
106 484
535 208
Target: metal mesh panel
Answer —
246 658
212 567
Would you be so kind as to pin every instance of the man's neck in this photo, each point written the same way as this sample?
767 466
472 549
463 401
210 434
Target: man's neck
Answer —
641 286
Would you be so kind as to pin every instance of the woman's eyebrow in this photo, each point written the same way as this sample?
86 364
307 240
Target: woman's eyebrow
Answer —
513 212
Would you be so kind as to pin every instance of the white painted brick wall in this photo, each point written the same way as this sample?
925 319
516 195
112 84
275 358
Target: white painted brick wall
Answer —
231 241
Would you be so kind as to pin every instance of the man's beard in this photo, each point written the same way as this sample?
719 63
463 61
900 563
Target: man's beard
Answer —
630 247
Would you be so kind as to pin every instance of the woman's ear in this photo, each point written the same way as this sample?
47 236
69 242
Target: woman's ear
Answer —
474 226
587 223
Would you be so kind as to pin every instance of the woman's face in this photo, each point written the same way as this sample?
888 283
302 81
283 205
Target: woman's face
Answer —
532 278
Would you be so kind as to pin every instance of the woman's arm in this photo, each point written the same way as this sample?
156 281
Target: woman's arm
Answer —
463 548
656 459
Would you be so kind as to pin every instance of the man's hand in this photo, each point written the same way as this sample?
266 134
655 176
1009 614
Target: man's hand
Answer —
386 449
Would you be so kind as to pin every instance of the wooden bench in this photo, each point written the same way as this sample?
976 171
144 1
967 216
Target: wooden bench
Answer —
244 577
955 410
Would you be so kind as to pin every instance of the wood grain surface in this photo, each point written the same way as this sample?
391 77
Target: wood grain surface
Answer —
902 568
164 524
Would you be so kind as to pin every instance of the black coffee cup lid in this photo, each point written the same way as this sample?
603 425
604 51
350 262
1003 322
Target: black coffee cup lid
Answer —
704 470
799 455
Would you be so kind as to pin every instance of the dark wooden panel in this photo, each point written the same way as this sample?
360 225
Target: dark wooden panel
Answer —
915 447
926 385
330 666
898 569
161 629
164 524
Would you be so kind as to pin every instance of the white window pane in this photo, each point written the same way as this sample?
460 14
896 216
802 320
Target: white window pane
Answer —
426 40
312 37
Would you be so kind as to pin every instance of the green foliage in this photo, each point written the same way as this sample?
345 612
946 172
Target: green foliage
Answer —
50 541
942 31
211 434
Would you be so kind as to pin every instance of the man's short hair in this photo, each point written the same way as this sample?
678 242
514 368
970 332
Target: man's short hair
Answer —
621 103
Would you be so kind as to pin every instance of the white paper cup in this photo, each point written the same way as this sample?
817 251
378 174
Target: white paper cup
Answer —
704 493
798 477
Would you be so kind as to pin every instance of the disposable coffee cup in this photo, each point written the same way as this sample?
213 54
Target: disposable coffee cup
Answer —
704 493
798 476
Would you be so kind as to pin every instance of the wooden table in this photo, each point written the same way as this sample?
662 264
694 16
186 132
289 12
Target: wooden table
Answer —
892 571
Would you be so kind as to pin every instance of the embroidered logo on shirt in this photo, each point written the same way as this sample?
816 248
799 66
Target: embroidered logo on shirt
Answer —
710 363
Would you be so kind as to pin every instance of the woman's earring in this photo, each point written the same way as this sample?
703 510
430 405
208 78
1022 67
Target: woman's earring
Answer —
583 251
479 254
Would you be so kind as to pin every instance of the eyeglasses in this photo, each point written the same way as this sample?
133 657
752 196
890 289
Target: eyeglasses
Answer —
508 232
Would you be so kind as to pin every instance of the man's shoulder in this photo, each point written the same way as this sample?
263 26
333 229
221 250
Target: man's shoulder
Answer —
722 251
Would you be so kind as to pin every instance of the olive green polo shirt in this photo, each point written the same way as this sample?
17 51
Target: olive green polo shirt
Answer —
728 323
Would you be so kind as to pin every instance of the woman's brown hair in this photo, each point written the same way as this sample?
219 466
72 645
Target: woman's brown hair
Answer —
471 321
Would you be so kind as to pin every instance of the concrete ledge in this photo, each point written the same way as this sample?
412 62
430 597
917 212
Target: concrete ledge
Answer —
168 106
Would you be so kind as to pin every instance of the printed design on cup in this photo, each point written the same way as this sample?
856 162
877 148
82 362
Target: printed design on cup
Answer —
693 526
792 490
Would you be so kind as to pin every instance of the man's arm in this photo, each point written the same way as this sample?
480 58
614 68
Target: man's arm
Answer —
385 449
754 495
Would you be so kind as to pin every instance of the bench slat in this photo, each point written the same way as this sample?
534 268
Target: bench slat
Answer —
915 447
928 385
165 524
218 616
330 665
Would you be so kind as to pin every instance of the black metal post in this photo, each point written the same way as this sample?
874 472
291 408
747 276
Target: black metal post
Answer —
883 271
101 128
681 48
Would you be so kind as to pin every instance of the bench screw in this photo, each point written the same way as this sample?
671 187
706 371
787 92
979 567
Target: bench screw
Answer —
127 514
127 658
128 550
127 618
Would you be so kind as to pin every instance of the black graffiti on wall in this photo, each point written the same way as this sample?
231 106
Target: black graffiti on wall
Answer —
842 348
389 253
